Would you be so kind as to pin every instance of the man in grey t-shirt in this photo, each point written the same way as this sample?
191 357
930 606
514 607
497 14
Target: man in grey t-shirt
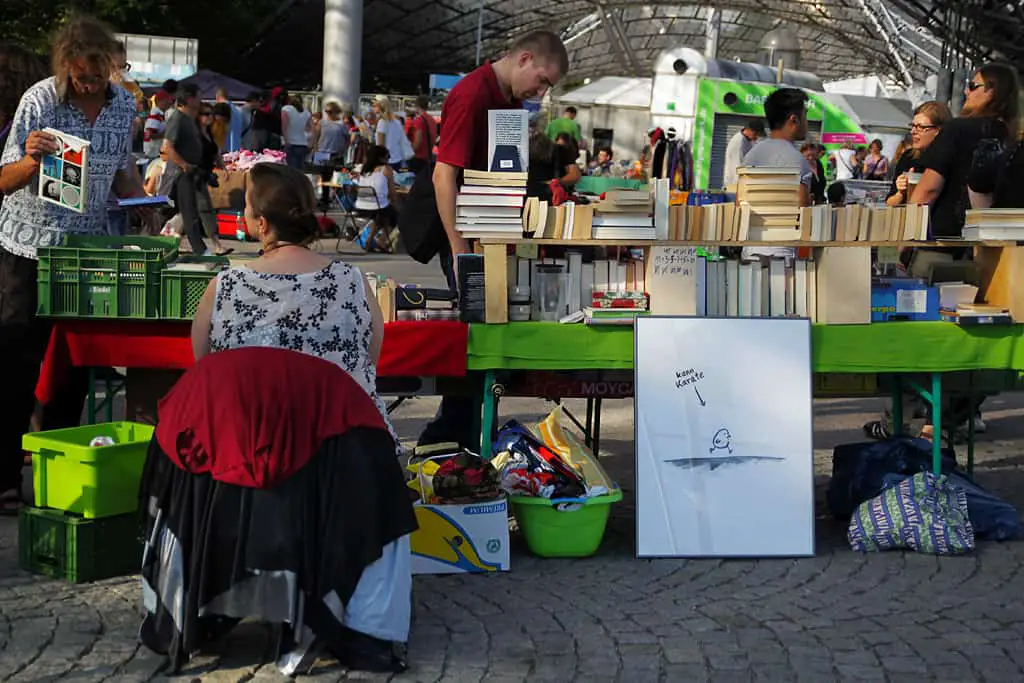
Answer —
184 153
786 111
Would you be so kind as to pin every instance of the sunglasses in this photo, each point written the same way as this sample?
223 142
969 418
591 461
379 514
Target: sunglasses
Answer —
974 85
206 113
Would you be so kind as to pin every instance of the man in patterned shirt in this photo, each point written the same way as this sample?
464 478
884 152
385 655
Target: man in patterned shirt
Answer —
78 100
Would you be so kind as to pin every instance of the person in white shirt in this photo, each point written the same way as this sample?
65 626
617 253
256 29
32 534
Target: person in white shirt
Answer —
739 146
845 162
786 111
295 124
378 174
390 133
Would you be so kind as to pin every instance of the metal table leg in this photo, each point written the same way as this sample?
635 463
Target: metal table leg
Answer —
596 448
590 421
937 422
492 392
934 398
92 396
110 391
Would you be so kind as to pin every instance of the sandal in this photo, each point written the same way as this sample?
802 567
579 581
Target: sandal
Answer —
223 252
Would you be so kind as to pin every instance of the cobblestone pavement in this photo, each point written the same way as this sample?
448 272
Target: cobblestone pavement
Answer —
837 616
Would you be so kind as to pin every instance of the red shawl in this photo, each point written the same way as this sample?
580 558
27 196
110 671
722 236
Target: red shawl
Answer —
255 416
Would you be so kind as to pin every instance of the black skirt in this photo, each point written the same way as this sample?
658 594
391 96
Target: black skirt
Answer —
292 554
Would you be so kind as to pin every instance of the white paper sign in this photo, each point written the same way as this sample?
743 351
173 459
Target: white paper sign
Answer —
724 437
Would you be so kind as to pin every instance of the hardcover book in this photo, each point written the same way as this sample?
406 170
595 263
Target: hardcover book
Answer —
62 179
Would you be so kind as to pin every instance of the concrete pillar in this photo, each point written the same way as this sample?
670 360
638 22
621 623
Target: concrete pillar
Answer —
343 50
713 30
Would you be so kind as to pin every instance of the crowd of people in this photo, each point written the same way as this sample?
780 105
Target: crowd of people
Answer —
294 299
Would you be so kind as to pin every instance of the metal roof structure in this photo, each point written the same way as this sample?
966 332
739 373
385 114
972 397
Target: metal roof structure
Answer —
404 40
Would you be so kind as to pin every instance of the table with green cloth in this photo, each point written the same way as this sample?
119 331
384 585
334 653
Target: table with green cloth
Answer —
930 348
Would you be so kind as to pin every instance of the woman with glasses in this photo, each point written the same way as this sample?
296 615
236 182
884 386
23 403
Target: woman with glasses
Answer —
929 118
991 111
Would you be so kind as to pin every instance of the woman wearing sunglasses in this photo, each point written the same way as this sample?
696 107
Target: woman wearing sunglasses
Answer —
929 118
991 110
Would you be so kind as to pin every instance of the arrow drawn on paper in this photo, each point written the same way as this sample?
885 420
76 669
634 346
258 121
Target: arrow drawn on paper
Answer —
699 397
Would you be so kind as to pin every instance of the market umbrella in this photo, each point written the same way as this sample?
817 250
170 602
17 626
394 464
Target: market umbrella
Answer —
211 81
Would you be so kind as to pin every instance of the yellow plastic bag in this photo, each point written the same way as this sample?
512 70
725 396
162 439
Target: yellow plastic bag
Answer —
572 450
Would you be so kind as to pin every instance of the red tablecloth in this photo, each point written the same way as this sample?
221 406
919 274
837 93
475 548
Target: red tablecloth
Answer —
431 348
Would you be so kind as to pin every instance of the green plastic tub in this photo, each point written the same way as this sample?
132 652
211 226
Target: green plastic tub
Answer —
68 547
551 532
183 283
94 276
69 475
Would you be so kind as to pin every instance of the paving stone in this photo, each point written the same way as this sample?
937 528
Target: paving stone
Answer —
839 616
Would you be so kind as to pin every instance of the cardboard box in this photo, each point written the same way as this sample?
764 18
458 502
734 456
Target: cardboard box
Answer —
457 539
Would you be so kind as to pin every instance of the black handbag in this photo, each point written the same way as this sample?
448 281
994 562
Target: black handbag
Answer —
419 222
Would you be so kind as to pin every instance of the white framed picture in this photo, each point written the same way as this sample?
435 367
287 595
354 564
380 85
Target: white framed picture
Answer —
724 452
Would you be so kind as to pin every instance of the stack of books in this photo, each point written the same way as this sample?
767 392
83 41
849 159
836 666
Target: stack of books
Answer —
490 204
978 314
624 215
769 200
615 308
994 224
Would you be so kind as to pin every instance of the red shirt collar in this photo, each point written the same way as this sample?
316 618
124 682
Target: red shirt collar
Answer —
492 82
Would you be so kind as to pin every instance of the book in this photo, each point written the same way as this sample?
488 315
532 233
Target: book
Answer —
508 135
158 200
62 177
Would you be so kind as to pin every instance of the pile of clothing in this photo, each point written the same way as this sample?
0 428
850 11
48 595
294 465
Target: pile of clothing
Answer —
459 478
245 159
551 463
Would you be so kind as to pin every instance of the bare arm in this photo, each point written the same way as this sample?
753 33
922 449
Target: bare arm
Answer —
390 175
381 139
980 201
203 321
17 175
376 323
174 157
929 189
446 186
572 175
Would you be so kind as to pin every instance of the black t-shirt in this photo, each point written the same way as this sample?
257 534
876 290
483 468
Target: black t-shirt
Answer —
950 156
818 183
905 164
1009 194
542 171
210 152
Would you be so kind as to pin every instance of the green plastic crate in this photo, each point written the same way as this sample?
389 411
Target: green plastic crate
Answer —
92 276
68 547
181 290
70 475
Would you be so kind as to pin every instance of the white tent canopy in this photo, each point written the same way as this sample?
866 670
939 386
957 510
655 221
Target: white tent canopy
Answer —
618 91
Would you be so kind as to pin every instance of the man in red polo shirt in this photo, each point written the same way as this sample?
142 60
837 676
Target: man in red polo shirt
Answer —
536 62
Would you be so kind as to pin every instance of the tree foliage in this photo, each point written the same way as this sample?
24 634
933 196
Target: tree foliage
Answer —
222 27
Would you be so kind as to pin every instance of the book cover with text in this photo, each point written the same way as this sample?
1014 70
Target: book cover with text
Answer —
508 134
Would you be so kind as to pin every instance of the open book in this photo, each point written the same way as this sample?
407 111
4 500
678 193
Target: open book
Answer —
62 179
